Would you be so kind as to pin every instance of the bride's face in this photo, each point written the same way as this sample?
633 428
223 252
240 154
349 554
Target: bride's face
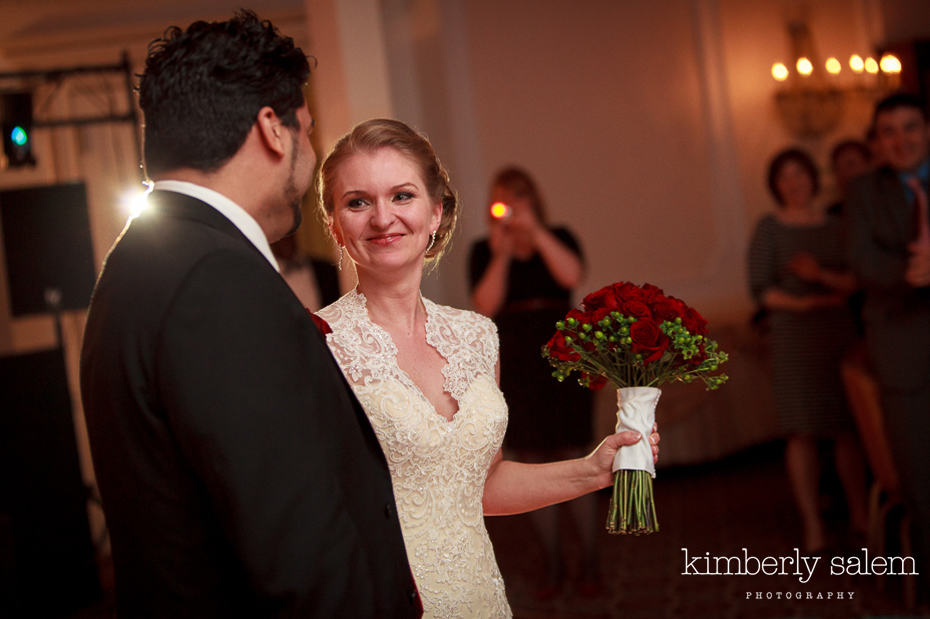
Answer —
382 212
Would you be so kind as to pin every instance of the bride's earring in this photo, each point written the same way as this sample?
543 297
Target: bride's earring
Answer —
339 262
432 241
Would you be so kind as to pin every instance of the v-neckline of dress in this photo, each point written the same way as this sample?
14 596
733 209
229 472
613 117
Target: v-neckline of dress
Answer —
430 341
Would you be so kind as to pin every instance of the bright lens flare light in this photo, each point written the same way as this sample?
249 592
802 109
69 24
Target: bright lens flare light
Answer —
871 65
499 210
779 71
134 202
890 64
804 66
856 63
833 66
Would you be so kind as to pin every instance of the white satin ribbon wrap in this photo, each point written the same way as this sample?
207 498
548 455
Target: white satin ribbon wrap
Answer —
636 412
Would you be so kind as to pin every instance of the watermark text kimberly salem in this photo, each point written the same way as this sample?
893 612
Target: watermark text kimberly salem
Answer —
795 564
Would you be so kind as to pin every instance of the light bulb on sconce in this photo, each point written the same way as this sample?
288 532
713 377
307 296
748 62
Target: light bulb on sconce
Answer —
779 71
890 64
804 66
856 63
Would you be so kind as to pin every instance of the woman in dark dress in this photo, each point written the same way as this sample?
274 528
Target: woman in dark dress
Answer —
798 273
522 276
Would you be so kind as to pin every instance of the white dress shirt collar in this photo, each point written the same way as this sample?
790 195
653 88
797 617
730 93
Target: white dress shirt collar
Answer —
229 209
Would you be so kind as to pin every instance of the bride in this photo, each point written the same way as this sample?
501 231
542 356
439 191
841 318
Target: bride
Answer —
427 375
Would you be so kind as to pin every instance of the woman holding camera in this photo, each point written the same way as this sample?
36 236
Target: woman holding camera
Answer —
522 276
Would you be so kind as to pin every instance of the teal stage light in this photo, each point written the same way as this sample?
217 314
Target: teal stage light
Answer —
19 136
16 113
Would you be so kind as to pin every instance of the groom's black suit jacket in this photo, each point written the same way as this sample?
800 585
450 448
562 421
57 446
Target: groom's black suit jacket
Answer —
239 475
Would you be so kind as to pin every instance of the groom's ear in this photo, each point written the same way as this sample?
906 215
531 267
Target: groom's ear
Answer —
271 130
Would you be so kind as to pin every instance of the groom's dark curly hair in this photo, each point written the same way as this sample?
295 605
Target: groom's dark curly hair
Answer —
203 87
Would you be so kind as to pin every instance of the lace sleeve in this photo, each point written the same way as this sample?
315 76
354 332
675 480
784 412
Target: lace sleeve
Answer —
363 353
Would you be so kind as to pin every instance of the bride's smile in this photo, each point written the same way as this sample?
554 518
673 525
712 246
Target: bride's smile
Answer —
384 239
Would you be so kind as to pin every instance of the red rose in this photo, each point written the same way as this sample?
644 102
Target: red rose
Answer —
694 322
648 340
601 299
625 291
560 349
636 309
321 324
668 308
599 314
593 382
652 293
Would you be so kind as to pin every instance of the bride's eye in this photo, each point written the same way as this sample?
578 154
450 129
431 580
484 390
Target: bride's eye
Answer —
403 196
355 203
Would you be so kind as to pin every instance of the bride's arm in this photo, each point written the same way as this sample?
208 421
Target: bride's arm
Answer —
516 487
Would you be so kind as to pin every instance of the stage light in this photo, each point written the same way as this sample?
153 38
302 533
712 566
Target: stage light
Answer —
16 111
19 136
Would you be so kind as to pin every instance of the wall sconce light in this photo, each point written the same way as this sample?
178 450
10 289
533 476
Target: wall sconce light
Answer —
812 95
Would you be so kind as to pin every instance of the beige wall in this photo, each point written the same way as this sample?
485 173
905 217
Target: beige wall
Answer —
607 108
649 125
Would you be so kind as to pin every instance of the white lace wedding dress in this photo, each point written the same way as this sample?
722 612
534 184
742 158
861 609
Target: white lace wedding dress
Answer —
438 467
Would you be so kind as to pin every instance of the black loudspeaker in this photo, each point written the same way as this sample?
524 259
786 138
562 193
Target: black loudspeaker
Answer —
46 239
46 553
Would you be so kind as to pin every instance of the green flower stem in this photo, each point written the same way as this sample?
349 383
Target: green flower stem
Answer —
632 508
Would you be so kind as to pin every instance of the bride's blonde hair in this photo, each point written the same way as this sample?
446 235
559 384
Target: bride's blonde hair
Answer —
378 133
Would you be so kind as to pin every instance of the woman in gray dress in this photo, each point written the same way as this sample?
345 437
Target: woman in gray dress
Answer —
798 274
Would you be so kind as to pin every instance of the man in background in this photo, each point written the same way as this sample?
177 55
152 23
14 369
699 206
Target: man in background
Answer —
889 243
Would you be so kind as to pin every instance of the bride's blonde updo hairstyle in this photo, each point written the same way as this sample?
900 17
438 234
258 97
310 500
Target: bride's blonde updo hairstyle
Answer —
378 133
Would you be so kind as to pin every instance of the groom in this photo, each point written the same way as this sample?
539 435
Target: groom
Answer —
239 475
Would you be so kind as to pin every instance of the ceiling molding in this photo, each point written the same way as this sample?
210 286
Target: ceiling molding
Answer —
36 29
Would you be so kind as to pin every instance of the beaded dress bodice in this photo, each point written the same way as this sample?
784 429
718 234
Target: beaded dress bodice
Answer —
438 466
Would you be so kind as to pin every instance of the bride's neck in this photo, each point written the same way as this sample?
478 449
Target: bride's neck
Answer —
393 306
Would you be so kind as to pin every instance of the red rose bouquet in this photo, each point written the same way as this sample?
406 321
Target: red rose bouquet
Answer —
637 338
